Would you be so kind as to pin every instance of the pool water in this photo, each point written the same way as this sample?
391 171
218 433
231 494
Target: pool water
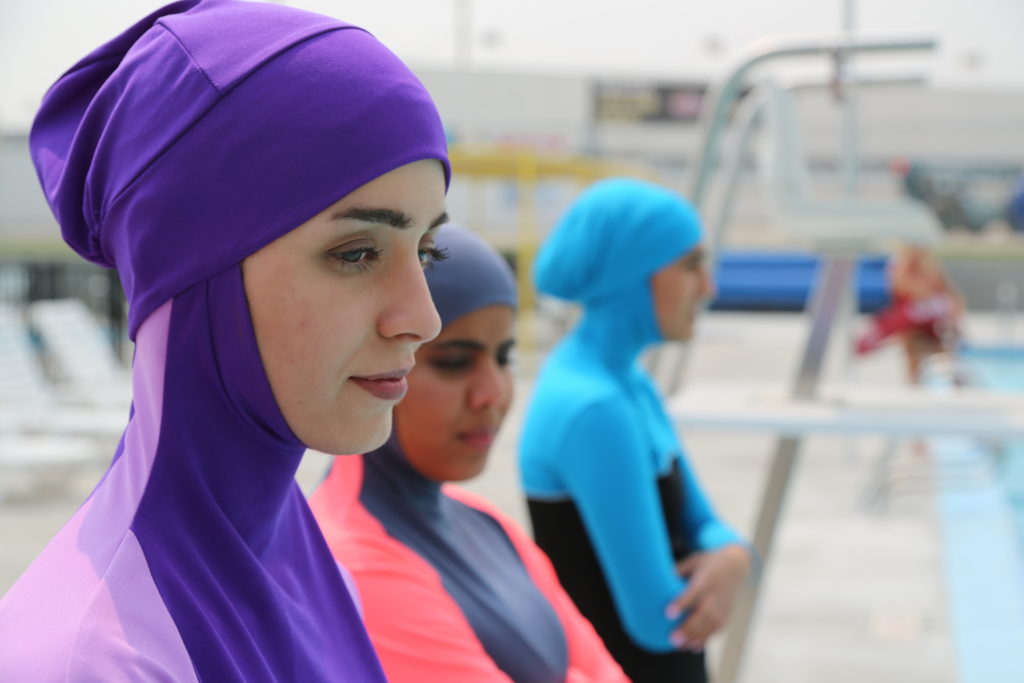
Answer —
983 533
1002 370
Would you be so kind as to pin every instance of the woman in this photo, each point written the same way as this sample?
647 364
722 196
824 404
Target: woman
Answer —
266 182
451 589
613 500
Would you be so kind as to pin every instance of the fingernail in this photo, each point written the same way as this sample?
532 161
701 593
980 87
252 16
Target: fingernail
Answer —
677 639
672 611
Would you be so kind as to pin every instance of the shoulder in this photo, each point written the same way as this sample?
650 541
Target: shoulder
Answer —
115 629
563 375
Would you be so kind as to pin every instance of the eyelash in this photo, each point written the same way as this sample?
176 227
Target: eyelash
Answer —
431 255
365 257
462 363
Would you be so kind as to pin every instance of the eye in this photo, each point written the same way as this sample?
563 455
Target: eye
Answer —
361 257
505 355
452 364
431 255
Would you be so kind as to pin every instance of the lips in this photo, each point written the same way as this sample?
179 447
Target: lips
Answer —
387 386
480 439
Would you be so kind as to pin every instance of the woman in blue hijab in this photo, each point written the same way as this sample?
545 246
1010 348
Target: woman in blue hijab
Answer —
613 501
266 182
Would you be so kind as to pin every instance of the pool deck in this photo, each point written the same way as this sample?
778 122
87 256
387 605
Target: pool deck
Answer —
917 588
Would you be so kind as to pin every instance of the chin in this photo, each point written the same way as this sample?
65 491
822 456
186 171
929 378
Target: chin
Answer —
364 436
472 465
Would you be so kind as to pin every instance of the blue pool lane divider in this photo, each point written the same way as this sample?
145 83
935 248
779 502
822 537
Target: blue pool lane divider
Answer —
782 281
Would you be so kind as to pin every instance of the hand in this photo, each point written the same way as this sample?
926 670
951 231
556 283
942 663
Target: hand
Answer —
714 582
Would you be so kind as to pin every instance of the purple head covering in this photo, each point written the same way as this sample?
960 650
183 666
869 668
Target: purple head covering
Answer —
473 275
209 129
199 135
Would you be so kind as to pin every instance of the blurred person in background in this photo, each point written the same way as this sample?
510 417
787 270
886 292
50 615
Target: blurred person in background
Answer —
267 182
925 311
614 502
451 589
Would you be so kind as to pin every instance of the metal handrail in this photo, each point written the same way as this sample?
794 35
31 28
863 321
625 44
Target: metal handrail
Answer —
770 49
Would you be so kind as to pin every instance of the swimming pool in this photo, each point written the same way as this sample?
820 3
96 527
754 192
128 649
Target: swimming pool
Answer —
983 530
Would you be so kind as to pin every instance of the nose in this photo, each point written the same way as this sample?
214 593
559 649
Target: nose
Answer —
410 313
490 386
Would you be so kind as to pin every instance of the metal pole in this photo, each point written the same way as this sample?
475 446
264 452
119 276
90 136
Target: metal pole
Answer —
849 164
832 288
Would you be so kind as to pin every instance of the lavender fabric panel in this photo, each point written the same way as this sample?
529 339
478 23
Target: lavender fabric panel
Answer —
126 634
231 543
47 607
212 128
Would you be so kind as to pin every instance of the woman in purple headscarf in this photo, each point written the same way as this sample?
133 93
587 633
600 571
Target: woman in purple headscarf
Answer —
267 183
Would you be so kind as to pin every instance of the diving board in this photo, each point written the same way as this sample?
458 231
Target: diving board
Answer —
887 411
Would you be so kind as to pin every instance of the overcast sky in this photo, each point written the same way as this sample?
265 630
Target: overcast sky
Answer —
982 41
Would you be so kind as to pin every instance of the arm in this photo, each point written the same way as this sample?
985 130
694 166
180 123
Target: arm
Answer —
703 525
715 573
610 474
721 561
704 529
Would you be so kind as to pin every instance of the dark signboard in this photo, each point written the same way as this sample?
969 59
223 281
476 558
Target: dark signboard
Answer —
630 102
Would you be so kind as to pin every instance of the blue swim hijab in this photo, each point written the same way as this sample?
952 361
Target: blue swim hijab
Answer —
472 276
618 233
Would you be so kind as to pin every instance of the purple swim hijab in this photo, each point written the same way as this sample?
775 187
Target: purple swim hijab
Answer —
201 134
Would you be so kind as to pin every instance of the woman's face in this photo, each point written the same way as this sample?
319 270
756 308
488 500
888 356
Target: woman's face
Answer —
679 289
459 393
340 305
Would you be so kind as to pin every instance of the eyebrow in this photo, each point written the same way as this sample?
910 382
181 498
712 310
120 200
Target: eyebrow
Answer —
696 255
392 217
470 345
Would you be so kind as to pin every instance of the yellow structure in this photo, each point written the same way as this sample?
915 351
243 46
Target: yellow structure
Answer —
526 167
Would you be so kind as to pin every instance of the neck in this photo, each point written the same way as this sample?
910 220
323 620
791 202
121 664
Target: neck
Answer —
388 468
225 443
618 327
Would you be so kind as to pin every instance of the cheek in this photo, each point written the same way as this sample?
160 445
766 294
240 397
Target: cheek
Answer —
431 406
507 392
309 335
667 296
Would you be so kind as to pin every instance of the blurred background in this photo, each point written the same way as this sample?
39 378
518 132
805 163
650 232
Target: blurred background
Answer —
804 131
